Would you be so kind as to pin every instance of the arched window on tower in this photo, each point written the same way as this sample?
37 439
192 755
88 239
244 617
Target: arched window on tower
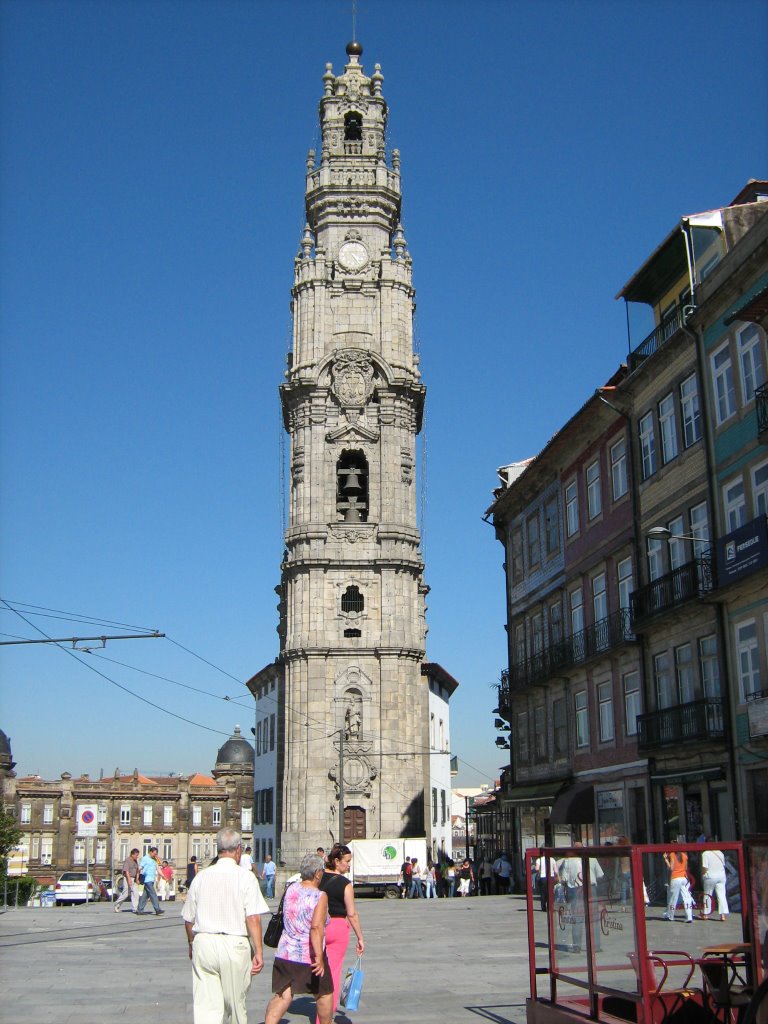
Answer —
353 127
352 488
352 600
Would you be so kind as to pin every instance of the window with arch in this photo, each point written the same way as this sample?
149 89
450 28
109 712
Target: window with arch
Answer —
352 600
352 488
353 127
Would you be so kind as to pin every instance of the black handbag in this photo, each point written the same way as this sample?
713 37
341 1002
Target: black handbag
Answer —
275 926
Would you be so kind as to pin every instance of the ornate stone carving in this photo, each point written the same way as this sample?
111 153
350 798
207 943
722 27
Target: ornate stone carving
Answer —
406 465
359 775
351 534
352 375
297 466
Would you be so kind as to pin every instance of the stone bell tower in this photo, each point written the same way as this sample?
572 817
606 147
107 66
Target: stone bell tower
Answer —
354 707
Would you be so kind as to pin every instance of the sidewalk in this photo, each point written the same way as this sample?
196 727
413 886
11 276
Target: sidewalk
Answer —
458 961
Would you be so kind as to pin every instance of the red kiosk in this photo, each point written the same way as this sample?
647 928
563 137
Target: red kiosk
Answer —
609 948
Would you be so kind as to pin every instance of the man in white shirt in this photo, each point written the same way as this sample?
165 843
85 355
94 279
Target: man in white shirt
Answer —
221 915
246 861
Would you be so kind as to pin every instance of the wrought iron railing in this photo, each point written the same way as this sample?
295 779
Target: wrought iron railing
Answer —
657 338
696 721
694 579
761 408
612 631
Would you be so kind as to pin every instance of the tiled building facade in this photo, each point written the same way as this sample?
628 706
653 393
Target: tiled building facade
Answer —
637 687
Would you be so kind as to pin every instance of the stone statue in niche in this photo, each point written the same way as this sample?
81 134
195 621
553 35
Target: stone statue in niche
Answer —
352 722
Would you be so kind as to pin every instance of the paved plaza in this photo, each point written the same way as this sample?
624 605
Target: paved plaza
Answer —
460 961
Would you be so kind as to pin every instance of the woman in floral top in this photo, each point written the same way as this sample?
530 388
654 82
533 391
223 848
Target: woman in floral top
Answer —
300 962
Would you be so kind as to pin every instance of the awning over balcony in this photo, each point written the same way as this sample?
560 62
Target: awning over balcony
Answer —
539 793
682 778
575 805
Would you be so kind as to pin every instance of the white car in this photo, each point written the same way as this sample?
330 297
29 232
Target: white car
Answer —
77 887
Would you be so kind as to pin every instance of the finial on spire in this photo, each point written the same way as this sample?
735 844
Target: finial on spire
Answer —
354 50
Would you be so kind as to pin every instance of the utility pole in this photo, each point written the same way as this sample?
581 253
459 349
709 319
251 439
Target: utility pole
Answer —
341 785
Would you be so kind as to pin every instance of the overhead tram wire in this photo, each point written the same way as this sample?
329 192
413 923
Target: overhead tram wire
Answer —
40 609
92 668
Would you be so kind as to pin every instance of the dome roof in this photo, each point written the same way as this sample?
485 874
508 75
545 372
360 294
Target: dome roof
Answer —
237 750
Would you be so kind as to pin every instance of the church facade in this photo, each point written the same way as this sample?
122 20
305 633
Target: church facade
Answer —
352 731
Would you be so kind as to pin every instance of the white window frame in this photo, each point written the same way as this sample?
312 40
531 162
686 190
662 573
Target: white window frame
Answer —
246 819
633 706
197 815
723 384
699 528
551 527
168 849
619 474
125 814
216 816
48 814
581 714
571 497
662 681
576 601
676 546
594 492
760 489
668 428
709 666
751 364
747 658
101 851
146 817
625 582
168 814
605 712
46 849
599 597
654 552
78 852
690 410
684 675
25 813
555 622
102 814
734 504
647 436
533 540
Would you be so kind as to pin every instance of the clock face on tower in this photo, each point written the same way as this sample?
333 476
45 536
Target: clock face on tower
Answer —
353 255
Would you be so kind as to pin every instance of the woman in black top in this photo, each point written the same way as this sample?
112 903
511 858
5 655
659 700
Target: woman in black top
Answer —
342 911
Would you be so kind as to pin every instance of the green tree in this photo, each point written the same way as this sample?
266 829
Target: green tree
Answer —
10 833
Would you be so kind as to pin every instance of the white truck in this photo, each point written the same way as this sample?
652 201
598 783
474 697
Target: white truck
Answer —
376 864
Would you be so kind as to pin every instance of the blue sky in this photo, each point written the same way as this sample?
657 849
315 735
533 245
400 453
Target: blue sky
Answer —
151 204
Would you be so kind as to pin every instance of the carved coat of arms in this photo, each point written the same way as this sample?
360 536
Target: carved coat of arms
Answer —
352 375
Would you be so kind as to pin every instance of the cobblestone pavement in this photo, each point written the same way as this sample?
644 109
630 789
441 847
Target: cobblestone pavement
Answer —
460 961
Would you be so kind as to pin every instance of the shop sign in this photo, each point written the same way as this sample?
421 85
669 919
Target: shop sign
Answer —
610 799
743 551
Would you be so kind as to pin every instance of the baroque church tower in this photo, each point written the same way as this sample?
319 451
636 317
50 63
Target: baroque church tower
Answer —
353 694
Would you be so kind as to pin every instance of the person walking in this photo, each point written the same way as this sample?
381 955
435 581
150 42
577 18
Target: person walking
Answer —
502 870
406 871
148 867
268 872
449 874
679 886
192 869
430 881
130 886
713 877
485 876
301 964
466 878
342 912
223 924
246 861
164 879
415 892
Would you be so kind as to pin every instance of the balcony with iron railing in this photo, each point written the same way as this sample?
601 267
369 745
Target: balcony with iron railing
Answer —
761 409
689 581
604 635
695 722
658 337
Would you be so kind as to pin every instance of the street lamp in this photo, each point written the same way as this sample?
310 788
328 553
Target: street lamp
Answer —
664 533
